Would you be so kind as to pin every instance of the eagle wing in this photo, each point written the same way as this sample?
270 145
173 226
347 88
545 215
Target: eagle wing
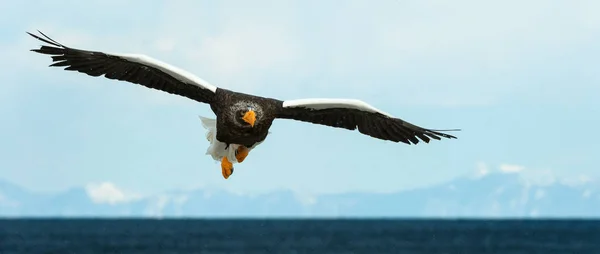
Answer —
352 114
134 68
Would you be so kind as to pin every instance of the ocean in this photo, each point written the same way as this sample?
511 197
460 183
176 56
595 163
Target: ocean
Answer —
298 236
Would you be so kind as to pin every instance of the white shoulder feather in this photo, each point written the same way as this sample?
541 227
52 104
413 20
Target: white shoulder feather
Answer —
328 103
175 72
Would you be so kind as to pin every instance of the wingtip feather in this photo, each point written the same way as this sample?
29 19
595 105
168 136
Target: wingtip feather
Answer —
47 39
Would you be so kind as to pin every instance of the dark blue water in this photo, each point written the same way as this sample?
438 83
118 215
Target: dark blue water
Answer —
299 236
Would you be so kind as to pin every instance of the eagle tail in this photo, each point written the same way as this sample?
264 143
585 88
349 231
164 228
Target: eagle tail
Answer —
216 149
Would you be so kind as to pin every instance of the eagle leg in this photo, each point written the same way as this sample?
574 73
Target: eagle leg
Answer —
226 167
240 153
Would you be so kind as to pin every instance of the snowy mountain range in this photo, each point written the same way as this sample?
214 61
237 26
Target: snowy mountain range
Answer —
508 193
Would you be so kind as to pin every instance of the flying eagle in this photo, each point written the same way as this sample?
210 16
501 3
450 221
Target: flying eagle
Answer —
242 120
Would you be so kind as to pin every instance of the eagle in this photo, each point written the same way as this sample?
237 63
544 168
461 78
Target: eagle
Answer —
242 120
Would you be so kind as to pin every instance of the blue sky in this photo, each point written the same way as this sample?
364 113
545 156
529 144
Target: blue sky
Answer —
520 78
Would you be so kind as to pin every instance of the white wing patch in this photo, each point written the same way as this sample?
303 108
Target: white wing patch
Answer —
167 68
325 103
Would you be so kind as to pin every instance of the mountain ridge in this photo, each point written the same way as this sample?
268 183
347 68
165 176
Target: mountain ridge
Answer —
485 194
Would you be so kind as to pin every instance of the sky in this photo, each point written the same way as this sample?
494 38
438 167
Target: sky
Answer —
519 78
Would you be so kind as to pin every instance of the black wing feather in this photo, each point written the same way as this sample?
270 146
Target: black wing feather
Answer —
373 124
96 64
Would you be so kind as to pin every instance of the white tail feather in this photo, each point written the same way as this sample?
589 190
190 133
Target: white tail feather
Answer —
216 149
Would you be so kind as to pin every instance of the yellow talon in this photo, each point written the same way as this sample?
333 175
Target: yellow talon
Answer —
241 153
226 167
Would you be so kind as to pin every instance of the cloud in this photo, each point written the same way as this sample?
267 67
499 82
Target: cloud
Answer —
155 209
108 193
578 180
158 203
305 199
482 170
510 168
529 176
534 176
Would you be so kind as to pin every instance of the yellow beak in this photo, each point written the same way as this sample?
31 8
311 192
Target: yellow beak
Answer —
250 117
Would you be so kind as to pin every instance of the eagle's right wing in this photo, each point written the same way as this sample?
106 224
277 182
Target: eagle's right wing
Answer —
134 68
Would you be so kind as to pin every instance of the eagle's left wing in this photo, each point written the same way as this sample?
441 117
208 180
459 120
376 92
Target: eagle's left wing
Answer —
352 114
